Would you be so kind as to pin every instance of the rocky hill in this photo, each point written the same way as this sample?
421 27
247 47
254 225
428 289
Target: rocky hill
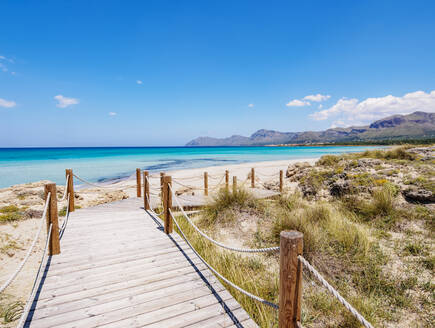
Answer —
418 125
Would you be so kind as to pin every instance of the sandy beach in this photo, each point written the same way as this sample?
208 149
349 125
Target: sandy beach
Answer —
17 236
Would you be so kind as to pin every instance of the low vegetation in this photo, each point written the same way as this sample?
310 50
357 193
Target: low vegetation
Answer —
10 213
367 240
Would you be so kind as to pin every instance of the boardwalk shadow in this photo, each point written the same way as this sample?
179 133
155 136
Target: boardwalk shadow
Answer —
228 311
38 292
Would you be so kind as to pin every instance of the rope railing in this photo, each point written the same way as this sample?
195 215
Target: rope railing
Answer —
35 283
187 186
236 249
243 291
96 185
29 251
334 292
66 189
65 221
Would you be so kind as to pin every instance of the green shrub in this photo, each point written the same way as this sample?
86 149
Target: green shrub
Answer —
10 213
328 160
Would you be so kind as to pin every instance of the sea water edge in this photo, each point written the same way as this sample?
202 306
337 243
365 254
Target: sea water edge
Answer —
106 164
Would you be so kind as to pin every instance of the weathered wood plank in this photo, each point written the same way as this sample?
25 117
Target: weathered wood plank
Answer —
118 269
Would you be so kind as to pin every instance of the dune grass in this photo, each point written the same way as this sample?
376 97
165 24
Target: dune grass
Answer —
10 213
249 272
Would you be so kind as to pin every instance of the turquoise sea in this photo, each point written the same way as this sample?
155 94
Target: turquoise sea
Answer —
23 165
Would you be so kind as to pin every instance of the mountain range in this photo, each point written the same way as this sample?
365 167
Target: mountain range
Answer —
418 125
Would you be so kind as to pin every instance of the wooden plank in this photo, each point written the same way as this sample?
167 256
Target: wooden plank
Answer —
104 279
119 269
131 287
93 291
199 314
150 312
193 288
220 320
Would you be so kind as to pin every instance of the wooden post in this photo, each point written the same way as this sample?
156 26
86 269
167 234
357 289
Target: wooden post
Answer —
227 180
167 203
234 184
138 183
206 183
281 181
252 178
162 174
290 276
146 190
70 189
52 218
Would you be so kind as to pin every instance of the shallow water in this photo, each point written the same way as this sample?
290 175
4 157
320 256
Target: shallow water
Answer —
24 165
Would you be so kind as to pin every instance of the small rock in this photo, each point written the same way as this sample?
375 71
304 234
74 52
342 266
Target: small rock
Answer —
369 162
418 195
295 168
339 187
308 190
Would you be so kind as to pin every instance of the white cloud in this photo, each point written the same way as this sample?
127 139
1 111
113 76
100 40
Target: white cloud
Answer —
351 111
317 98
63 102
7 103
139 82
320 106
297 103
112 114
3 67
251 105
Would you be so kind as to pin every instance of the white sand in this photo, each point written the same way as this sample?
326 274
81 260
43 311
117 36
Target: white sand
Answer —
22 232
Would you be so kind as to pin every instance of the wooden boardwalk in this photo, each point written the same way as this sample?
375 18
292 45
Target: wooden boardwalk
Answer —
117 268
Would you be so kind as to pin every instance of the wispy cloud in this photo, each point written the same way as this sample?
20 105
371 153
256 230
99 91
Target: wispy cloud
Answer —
112 113
139 82
317 98
251 105
7 103
63 102
298 103
3 66
352 111
306 100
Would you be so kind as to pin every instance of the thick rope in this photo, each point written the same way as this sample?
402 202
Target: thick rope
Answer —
255 297
334 292
187 186
242 250
66 189
65 221
29 251
95 185
219 184
149 202
35 283
267 175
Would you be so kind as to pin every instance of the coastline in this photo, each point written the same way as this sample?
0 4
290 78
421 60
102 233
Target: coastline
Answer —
15 236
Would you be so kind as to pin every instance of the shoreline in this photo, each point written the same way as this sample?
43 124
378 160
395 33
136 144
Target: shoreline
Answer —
235 169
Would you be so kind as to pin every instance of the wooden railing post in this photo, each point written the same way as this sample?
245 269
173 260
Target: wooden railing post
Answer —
234 184
167 203
52 218
138 183
70 189
281 180
227 180
206 183
252 178
146 190
162 174
290 276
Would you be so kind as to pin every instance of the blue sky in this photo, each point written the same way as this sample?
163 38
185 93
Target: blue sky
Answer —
126 73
